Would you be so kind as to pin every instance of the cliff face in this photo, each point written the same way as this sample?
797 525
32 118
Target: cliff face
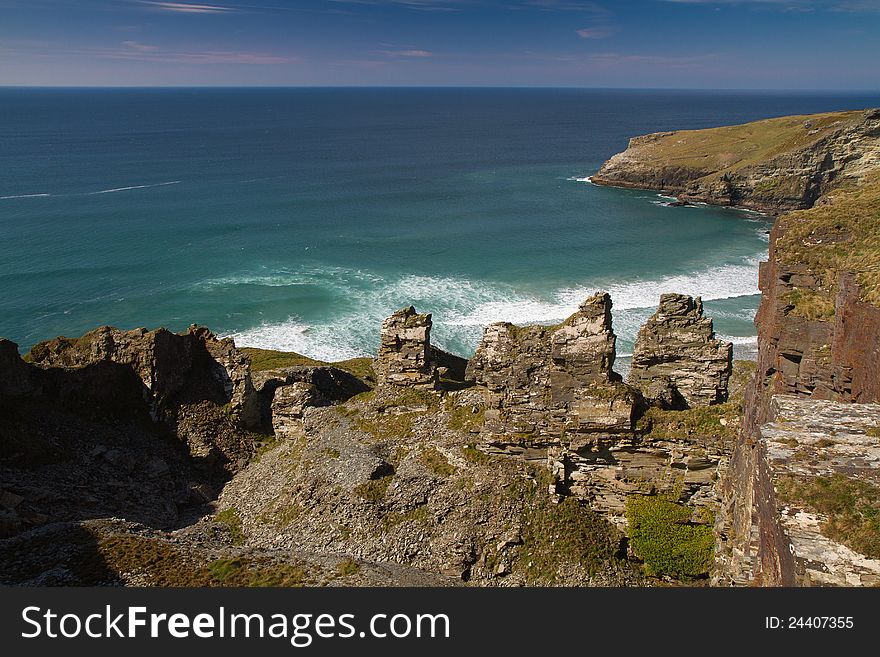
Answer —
805 463
818 339
772 165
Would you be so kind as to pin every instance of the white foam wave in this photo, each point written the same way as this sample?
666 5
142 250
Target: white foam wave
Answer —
744 340
322 343
725 282
3 198
584 179
125 189
461 308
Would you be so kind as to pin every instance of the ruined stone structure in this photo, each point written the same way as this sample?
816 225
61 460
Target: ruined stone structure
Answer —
405 357
545 380
677 361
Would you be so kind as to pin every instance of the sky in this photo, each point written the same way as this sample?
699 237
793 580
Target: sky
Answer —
721 44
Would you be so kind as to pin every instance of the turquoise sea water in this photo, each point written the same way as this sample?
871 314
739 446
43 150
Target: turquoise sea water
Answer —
299 218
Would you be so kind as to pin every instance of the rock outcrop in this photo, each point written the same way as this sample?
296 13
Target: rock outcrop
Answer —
404 357
545 380
810 459
164 361
140 424
677 362
286 393
772 165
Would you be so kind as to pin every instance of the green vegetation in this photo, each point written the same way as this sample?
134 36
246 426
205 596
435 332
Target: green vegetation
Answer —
842 234
232 520
810 304
475 456
281 515
386 426
557 536
874 432
154 562
723 151
740 377
417 515
348 567
374 490
268 359
436 462
852 508
250 572
466 418
331 452
264 443
662 536
706 421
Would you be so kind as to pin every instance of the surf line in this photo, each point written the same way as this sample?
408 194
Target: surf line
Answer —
125 189
3 198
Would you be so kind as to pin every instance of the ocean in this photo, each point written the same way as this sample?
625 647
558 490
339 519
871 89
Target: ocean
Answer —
297 219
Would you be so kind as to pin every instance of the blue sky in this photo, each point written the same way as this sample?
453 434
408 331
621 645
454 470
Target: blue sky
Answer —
740 44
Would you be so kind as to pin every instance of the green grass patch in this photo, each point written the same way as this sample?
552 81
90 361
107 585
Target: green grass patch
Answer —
252 573
436 462
557 536
475 456
348 567
232 520
330 452
725 150
841 234
269 359
466 418
374 490
385 426
705 421
852 508
810 304
662 536
417 515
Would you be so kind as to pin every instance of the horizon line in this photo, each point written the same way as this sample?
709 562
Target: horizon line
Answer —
443 86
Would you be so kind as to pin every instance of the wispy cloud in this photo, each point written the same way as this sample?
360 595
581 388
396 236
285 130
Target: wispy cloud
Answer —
593 32
134 50
189 8
139 47
423 5
408 53
793 5
566 5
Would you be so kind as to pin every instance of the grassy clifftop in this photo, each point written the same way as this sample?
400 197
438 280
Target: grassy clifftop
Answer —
771 165
841 234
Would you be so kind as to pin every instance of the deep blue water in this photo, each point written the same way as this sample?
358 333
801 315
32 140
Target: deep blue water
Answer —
299 218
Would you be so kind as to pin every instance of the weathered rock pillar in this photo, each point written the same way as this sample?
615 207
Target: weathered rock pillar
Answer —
677 361
404 357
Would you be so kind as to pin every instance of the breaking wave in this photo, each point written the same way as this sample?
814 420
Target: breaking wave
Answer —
462 308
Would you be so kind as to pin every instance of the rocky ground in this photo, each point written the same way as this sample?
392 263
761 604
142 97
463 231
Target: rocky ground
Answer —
182 462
